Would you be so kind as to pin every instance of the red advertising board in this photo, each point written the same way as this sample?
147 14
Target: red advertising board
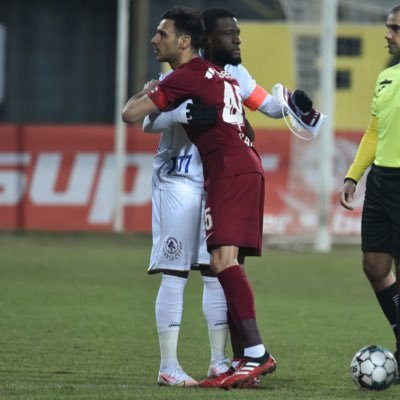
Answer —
62 178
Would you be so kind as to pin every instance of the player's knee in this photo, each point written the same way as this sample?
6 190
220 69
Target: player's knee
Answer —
223 257
373 272
218 265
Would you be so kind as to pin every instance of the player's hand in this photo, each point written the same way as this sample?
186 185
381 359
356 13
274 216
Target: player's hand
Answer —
347 193
201 114
301 100
150 85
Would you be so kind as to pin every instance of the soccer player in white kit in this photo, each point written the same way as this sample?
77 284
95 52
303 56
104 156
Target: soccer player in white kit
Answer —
178 198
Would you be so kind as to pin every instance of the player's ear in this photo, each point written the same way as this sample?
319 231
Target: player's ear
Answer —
184 42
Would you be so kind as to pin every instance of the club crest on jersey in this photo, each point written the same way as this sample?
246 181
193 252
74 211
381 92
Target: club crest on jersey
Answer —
172 248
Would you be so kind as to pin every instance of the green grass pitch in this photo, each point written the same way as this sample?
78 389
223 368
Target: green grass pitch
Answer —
77 321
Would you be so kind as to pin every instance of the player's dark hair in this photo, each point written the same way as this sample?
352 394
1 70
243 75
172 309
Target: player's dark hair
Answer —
395 10
211 15
187 21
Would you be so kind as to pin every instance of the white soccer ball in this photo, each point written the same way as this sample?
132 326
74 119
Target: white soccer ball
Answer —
374 368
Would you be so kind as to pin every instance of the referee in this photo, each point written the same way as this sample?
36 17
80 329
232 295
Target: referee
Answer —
380 149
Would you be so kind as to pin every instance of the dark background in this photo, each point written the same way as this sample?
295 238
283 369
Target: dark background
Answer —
60 55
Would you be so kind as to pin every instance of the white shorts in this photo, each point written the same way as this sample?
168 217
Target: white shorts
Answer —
179 238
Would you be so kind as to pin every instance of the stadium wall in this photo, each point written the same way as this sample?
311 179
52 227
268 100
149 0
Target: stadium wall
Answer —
61 178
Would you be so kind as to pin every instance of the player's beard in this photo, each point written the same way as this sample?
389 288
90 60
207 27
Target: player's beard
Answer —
166 57
228 58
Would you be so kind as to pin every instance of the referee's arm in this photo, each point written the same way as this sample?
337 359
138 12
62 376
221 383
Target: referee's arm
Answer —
364 158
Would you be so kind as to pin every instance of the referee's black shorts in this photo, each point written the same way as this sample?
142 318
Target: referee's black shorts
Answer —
380 225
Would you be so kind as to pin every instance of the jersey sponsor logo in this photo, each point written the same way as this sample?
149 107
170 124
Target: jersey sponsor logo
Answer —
172 249
211 72
85 180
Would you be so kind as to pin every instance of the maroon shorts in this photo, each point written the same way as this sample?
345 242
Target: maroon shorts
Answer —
234 213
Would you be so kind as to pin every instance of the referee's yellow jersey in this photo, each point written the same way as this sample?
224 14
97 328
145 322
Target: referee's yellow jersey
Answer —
386 108
380 143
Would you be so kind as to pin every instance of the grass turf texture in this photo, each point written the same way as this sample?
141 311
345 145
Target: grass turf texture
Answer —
77 321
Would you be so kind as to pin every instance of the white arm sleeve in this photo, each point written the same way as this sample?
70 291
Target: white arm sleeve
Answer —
248 87
156 123
271 107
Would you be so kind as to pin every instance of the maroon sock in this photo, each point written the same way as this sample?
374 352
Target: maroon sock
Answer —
236 341
240 300
238 293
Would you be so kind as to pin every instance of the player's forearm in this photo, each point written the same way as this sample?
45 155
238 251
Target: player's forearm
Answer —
138 107
365 155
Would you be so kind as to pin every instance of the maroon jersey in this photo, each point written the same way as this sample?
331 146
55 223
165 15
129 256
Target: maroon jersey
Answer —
224 148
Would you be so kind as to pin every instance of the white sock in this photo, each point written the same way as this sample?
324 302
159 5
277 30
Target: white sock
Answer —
254 351
169 306
215 311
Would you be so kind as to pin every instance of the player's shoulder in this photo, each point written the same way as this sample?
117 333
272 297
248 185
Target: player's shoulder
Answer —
239 72
185 72
212 71
239 69
235 68
201 63
246 82
196 68
163 75
210 66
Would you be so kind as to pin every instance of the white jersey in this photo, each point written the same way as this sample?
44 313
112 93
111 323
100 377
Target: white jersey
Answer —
177 165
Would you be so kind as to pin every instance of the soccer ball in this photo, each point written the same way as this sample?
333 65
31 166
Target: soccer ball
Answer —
374 368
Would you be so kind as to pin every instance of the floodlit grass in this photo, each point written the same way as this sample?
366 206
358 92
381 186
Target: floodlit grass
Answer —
77 321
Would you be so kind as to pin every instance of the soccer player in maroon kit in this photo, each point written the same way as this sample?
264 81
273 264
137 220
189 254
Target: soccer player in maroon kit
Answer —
233 173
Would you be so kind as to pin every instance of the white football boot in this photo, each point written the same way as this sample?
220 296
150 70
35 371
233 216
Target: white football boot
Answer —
217 369
176 377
